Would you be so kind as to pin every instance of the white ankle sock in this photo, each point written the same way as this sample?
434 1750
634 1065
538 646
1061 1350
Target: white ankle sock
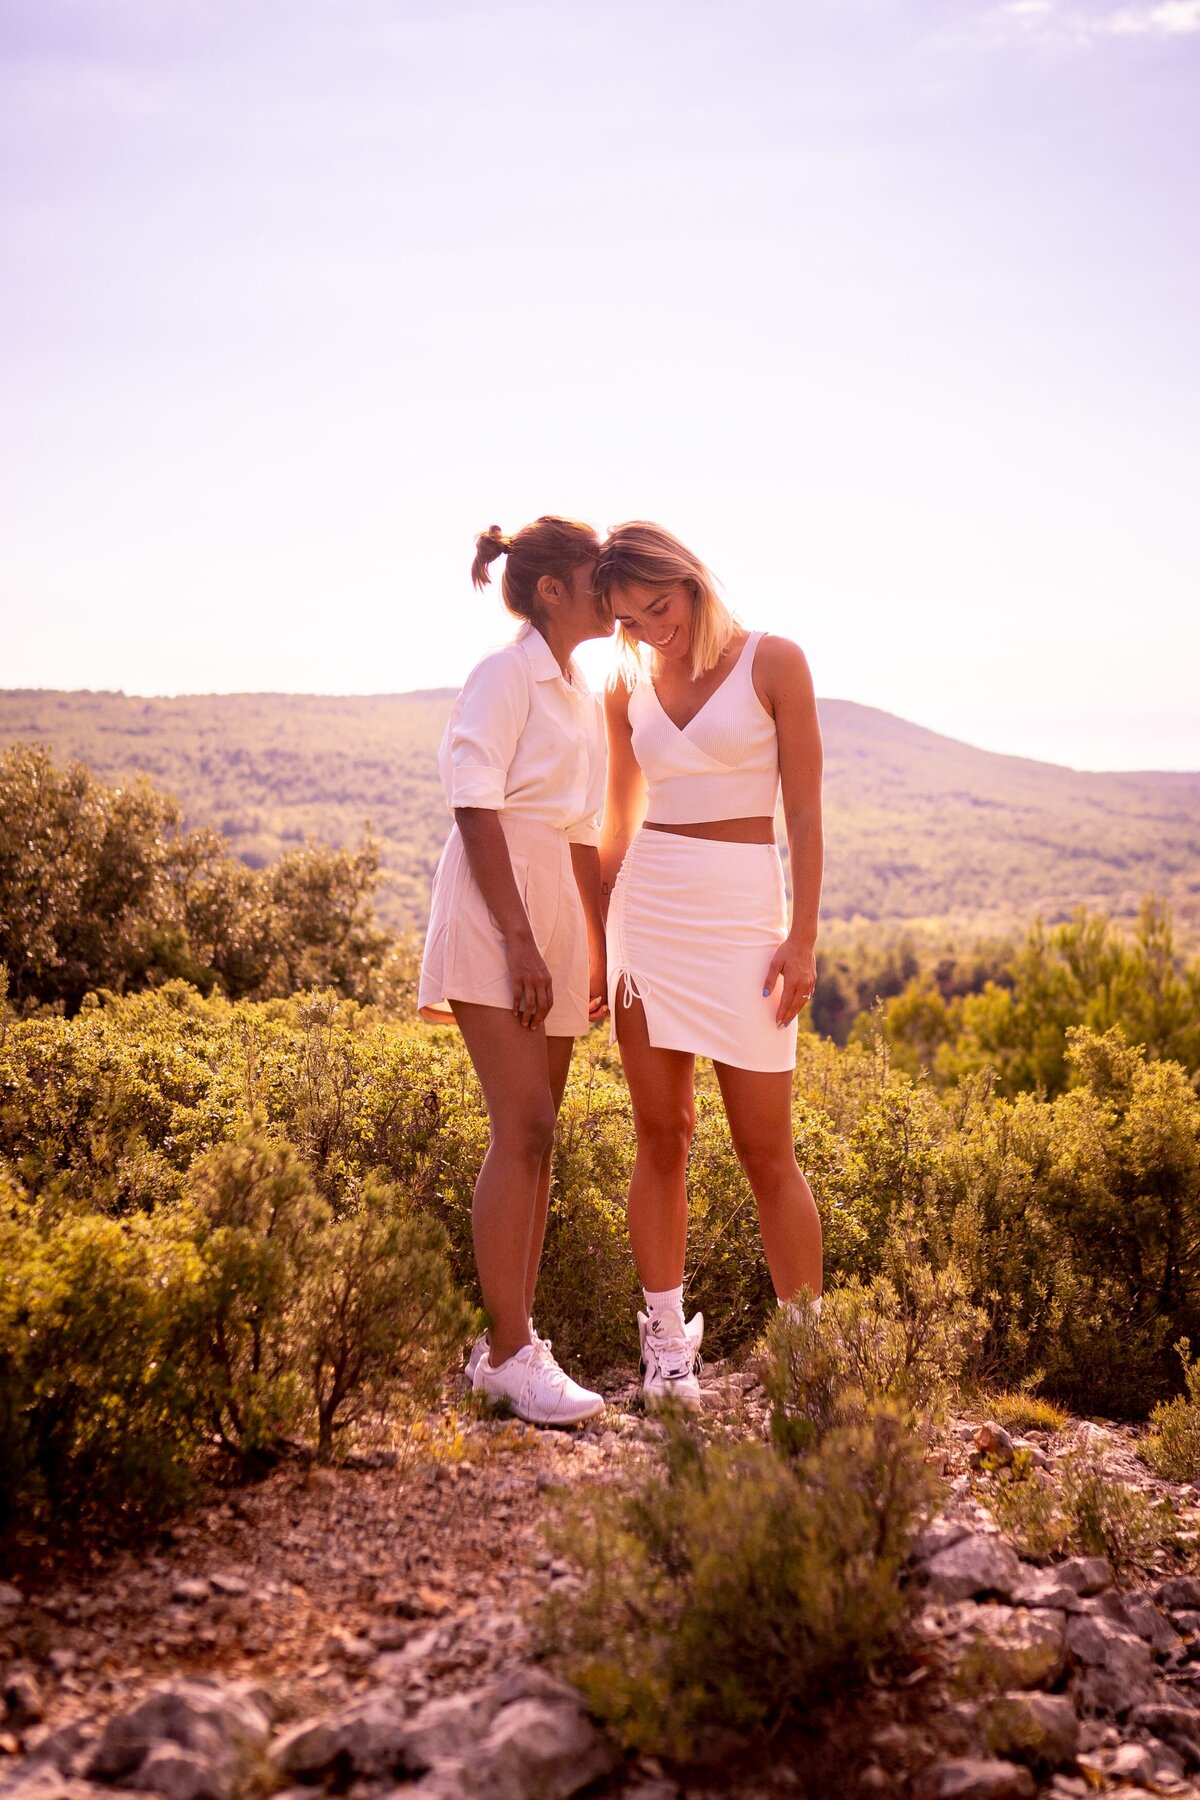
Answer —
662 1300
801 1310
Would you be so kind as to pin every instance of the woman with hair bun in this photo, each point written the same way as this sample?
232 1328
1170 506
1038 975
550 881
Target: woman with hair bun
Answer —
514 953
704 731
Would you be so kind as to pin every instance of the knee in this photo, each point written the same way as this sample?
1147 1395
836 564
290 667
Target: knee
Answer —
769 1167
526 1135
666 1137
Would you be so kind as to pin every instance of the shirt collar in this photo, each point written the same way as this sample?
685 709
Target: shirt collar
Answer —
542 659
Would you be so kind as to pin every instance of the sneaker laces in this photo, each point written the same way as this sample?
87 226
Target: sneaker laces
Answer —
675 1356
542 1360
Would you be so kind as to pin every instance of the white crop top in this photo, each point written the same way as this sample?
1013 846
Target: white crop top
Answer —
723 764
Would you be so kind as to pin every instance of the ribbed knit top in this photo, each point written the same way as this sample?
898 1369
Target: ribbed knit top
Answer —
723 764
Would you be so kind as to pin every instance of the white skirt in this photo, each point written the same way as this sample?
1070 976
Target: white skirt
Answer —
692 926
464 951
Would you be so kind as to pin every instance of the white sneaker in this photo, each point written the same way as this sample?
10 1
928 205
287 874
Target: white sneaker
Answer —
536 1388
481 1343
670 1358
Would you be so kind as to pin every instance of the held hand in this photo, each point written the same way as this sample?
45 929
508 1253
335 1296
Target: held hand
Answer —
597 986
533 991
798 967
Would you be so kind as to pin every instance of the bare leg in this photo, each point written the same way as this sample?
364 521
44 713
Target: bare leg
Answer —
759 1109
558 1056
513 1067
661 1088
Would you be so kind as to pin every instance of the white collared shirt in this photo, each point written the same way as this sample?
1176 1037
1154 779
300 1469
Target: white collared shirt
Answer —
524 738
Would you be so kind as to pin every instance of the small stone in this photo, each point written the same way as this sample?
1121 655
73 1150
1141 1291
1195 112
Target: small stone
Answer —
977 1778
973 1567
1086 1574
551 1750
180 1774
939 1534
369 1737
231 1586
1042 1587
1128 1763
1011 1648
450 1726
192 1590
992 1440
1118 1664
1178 1726
225 1722
1181 1593
61 1658
1038 1729
1139 1612
22 1699
10 1596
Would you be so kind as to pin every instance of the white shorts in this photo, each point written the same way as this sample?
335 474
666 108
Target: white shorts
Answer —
464 951
692 927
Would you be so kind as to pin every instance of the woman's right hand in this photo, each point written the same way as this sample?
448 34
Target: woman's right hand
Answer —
533 990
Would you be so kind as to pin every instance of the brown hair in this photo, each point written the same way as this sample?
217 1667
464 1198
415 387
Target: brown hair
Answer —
550 546
646 554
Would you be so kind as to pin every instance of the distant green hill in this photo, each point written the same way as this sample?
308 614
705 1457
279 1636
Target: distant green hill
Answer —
920 827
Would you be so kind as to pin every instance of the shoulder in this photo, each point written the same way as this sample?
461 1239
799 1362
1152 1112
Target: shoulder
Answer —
504 673
782 679
779 659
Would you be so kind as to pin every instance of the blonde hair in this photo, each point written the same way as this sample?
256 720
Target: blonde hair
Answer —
550 546
646 554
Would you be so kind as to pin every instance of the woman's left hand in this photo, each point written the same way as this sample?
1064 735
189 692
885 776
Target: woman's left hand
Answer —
797 963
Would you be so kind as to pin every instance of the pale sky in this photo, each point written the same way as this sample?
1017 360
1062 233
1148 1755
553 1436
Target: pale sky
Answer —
887 307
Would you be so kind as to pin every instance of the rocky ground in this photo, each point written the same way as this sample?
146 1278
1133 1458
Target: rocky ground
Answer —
369 1626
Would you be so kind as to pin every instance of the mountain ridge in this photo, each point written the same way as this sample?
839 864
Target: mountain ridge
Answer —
922 829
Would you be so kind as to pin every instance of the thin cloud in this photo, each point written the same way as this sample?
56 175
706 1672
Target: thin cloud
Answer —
1170 18
1047 22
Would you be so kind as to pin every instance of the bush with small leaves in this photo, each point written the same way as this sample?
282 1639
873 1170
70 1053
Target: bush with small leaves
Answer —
1172 1445
378 1317
97 1418
1081 1510
738 1587
907 1337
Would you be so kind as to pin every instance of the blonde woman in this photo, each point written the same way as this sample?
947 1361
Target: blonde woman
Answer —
514 953
708 724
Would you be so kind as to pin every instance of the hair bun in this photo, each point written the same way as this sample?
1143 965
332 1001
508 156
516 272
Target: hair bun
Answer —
488 546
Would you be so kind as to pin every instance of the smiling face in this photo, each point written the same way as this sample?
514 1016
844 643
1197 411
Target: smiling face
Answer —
660 616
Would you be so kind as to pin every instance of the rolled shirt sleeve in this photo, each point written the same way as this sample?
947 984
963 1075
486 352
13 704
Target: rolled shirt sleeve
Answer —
586 833
484 730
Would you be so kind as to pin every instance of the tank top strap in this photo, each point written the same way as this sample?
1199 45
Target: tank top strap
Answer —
745 667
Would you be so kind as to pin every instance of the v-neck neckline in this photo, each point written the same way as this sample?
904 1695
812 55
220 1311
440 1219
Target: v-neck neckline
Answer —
728 676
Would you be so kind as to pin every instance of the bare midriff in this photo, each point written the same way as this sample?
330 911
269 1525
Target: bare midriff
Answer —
724 831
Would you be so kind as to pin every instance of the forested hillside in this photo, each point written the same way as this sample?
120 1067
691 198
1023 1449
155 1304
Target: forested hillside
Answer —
920 827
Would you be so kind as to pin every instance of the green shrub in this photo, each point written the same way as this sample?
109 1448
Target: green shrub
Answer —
97 1422
1172 1445
238 1314
101 888
1081 1510
1076 1221
255 1223
379 1318
906 1337
738 1588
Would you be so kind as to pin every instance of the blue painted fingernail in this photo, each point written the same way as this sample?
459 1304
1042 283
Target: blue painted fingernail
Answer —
766 993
